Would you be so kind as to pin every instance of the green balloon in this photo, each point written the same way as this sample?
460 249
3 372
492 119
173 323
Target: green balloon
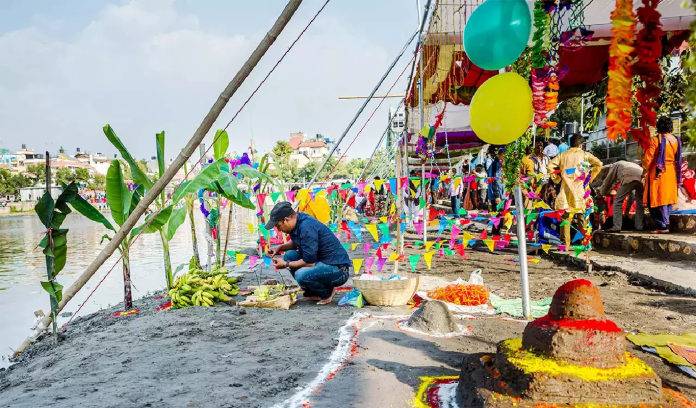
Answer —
497 33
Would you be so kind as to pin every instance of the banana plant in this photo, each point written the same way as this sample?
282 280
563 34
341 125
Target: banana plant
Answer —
219 178
55 242
177 216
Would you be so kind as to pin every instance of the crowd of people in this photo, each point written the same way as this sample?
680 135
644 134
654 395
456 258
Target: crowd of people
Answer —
660 183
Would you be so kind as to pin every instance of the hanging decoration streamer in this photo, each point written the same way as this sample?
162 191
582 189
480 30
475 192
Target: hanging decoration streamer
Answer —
649 49
620 78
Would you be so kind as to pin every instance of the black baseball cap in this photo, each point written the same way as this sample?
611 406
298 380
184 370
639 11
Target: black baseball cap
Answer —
278 213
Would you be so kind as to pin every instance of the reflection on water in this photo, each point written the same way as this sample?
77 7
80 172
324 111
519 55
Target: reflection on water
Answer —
22 263
23 266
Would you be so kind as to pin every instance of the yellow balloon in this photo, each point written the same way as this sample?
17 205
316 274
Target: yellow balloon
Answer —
501 109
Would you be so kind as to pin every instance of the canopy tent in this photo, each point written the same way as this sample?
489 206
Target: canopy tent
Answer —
450 78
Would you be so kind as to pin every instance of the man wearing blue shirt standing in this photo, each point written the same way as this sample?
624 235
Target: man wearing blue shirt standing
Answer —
314 255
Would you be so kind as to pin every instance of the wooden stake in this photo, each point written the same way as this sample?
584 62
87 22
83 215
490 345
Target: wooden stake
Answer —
185 154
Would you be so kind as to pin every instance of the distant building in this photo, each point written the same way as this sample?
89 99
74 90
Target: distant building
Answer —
397 123
306 149
35 193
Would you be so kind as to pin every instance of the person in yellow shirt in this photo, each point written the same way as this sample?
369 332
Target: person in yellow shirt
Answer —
527 170
574 194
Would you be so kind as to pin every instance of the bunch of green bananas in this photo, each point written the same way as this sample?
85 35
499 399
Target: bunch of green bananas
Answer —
191 289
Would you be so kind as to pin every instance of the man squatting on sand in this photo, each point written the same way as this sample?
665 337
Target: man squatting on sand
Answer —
314 256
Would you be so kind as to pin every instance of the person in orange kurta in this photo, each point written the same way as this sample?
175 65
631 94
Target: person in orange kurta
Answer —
662 171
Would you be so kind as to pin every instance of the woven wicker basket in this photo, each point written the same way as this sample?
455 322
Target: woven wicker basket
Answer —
387 292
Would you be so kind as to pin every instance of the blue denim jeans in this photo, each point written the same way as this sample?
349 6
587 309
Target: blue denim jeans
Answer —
456 204
318 280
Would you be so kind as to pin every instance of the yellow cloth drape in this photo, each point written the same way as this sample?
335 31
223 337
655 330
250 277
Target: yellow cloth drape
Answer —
572 194
318 208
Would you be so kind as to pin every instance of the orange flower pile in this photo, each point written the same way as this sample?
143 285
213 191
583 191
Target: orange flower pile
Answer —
463 295
620 77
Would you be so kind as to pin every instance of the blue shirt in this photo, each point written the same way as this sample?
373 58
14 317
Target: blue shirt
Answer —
316 243
563 148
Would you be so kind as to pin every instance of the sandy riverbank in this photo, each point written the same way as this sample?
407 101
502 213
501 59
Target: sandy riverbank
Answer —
200 357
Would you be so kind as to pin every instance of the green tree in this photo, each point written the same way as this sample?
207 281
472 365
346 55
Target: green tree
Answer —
64 175
37 173
281 159
98 182
82 176
567 112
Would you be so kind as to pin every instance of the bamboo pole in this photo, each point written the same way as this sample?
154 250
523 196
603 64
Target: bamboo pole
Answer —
185 154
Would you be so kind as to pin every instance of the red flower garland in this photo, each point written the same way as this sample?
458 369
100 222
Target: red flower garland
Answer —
620 78
649 49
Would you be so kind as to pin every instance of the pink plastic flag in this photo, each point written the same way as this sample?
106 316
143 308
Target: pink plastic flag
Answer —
455 231
290 195
369 262
380 263
366 248
252 261
419 228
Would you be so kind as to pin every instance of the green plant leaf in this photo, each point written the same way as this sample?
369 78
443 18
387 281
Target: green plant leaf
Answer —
44 209
175 220
85 208
60 249
58 218
67 196
138 175
209 174
160 152
136 196
158 220
117 195
54 289
227 186
104 237
250 172
221 144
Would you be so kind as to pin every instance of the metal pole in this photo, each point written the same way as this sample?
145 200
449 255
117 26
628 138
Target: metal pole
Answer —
352 122
582 113
522 252
422 123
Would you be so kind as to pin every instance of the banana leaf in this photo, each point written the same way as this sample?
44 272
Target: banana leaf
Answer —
160 152
138 175
54 289
44 209
209 174
59 250
175 220
227 186
83 207
221 144
117 195
153 222
250 172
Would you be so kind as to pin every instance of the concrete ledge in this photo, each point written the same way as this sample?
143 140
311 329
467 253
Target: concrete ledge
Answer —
677 277
666 246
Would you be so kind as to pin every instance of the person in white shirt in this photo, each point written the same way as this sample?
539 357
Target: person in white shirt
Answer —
540 158
482 187
455 192
551 150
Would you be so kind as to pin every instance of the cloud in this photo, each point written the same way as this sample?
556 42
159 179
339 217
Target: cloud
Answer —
145 66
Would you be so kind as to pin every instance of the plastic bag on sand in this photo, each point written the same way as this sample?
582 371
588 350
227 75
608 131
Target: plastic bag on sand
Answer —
475 278
353 298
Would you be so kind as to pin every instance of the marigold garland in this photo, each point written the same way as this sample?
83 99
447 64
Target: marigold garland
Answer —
649 49
620 77
464 295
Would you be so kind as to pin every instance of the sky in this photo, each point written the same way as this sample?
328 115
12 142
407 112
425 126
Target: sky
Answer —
69 67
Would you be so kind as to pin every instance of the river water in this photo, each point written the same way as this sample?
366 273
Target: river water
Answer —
22 267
